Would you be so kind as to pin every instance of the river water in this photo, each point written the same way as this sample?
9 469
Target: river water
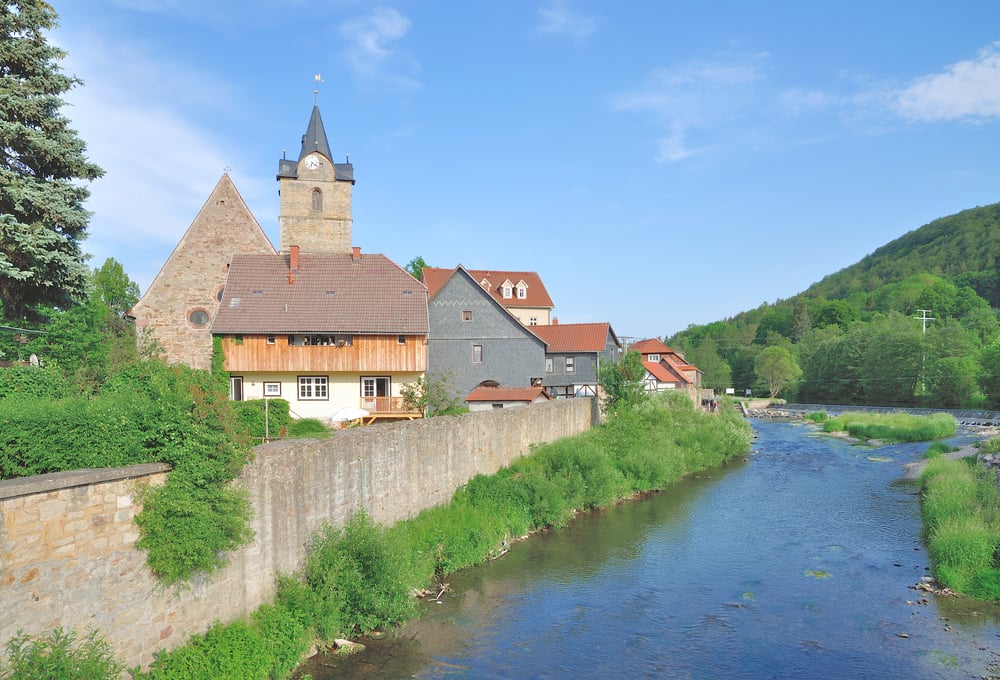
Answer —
799 562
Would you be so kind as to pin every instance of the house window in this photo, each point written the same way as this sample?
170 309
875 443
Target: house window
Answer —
548 365
506 291
522 292
477 354
401 339
270 339
317 199
570 364
313 387
532 320
467 315
272 389
655 358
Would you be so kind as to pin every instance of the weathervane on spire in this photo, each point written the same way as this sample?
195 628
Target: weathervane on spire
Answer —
319 79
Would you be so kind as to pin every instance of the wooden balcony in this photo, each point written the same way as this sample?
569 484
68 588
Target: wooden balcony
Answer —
386 408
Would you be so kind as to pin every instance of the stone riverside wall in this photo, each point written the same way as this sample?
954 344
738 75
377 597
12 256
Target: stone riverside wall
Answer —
67 555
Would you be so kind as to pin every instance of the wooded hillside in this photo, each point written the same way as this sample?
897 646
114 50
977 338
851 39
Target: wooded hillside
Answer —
860 335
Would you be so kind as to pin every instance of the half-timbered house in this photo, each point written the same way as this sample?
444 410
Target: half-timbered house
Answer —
574 355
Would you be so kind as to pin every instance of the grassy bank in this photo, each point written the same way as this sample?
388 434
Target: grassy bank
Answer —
961 515
362 577
893 427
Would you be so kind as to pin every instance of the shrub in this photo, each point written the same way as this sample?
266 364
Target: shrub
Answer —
307 427
254 414
59 655
817 416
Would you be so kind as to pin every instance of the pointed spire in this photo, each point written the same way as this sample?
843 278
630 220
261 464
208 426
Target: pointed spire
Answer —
315 137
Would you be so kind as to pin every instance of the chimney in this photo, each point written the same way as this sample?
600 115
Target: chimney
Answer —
555 321
293 263
356 253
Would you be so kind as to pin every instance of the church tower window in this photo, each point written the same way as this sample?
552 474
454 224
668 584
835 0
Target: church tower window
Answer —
317 199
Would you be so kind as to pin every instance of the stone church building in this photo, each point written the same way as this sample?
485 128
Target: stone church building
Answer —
175 314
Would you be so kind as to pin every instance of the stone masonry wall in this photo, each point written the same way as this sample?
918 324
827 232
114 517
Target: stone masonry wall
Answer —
67 555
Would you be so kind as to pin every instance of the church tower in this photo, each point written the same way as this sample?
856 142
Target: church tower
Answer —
315 196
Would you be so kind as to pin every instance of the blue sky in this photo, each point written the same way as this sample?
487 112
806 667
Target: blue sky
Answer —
659 164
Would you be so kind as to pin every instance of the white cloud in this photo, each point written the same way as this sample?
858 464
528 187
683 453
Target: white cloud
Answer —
968 90
699 96
372 55
559 19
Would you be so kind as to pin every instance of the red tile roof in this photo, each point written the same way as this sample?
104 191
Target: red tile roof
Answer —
535 293
483 393
665 373
328 293
651 346
576 337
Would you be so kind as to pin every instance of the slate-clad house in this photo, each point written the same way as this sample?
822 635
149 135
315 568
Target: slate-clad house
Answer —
574 356
521 293
323 331
474 339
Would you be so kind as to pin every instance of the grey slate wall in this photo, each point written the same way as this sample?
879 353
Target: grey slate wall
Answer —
512 355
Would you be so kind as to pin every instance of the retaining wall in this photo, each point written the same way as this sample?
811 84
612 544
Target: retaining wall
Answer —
67 555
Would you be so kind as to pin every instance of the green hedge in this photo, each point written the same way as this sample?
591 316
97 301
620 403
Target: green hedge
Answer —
147 412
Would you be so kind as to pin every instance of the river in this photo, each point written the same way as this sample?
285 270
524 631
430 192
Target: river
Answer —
799 562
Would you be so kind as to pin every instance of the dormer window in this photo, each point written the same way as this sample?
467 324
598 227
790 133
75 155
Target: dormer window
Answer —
507 291
485 284
317 199
655 358
522 291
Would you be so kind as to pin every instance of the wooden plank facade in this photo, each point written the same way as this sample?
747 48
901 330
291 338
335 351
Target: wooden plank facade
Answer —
328 354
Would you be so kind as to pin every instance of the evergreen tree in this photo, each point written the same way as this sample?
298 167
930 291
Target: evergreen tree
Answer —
42 220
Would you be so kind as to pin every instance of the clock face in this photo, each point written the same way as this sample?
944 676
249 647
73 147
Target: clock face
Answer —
312 162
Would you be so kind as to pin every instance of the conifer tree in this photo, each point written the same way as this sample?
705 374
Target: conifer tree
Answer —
42 163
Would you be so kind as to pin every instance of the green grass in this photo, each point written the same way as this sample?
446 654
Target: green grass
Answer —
961 513
893 427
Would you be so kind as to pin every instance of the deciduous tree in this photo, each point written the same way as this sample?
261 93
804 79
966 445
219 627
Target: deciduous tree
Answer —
778 369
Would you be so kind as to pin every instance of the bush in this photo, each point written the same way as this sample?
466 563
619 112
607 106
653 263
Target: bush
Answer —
894 427
307 427
961 511
817 416
256 413
58 655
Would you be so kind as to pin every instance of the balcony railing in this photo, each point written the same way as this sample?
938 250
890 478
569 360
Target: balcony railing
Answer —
386 406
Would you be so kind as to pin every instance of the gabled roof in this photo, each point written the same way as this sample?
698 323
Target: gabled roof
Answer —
483 393
329 292
535 293
224 215
650 346
576 337
664 373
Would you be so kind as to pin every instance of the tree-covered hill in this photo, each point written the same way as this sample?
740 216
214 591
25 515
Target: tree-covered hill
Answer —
964 248
913 323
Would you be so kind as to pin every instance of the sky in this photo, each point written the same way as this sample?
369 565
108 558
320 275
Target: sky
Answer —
658 163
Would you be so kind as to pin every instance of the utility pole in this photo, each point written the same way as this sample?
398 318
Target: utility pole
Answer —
923 318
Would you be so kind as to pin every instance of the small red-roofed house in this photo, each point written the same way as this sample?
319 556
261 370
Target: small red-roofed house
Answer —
574 355
666 369
488 397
